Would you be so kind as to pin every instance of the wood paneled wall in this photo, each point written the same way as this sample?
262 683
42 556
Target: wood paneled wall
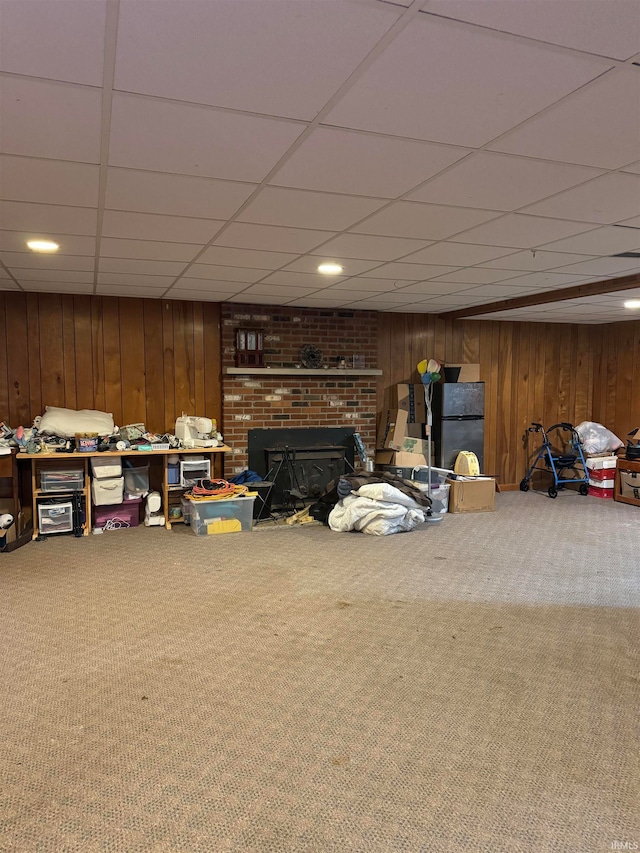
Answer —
148 360
533 372
616 395
145 360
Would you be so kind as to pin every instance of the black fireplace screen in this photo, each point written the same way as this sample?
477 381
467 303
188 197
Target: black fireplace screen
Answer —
300 462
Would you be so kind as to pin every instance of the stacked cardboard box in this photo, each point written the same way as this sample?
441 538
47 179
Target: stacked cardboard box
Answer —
402 431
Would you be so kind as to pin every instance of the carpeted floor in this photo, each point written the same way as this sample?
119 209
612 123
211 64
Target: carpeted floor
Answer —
467 686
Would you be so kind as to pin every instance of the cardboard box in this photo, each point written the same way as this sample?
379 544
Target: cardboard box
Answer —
629 483
468 372
400 458
472 495
394 428
410 399
414 446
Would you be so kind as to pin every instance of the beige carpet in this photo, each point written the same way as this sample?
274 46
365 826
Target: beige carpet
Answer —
467 686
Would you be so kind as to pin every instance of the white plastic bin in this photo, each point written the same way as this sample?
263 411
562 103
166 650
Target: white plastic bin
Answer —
440 498
192 470
106 467
107 492
55 518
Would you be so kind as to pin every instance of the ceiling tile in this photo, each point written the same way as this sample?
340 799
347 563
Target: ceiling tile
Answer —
277 290
543 280
608 28
212 272
408 272
134 266
521 232
62 40
603 266
456 254
16 241
57 287
48 181
606 199
634 222
36 115
533 260
291 62
40 220
489 292
393 95
301 279
476 275
8 284
277 206
422 289
196 295
69 276
500 182
136 281
147 250
130 290
344 161
375 248
597 126
178 195
259 300
425 221
608 240
351 266
634 167
167 136
149 226
242 235
373 285
222 288
33 260
343 294
226 256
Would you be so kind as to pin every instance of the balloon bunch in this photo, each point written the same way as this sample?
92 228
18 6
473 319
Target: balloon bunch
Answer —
429 370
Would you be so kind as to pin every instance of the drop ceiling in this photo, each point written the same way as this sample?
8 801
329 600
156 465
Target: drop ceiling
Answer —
448 154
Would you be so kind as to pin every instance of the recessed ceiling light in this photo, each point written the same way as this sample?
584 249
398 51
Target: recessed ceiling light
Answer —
330 268
43 245
632 303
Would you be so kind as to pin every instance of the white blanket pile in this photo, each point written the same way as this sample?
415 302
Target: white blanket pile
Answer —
377 508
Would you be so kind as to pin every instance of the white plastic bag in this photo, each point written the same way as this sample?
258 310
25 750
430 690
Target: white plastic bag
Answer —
596 438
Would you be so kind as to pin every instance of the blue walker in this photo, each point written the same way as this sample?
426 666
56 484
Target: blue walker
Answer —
558 463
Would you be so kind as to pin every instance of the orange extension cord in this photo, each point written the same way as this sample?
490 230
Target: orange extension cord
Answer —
212 489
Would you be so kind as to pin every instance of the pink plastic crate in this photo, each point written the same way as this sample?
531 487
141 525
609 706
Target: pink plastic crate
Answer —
118 516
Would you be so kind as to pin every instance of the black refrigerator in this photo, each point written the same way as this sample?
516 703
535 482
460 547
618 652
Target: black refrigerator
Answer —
458 421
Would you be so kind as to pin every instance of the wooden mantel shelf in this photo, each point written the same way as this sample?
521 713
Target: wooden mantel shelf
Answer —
300 371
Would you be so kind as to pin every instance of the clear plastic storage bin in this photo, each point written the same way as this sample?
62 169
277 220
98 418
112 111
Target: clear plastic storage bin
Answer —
136 479
61 481
231 515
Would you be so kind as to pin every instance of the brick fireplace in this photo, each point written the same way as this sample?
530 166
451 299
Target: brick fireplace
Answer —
327 398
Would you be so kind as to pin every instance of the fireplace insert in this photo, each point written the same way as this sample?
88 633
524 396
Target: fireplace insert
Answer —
300 461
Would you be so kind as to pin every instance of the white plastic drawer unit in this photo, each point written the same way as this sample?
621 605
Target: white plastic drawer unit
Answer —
192 470
55 518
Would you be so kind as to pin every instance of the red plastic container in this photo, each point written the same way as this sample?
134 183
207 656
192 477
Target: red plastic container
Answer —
602 473
118 516
595 492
